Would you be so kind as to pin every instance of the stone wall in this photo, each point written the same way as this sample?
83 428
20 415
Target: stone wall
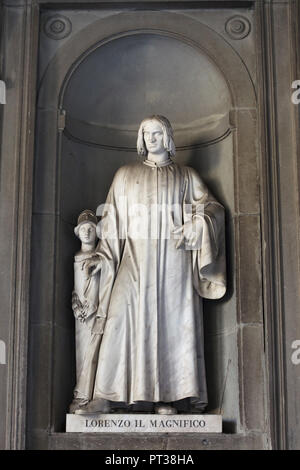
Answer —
250 163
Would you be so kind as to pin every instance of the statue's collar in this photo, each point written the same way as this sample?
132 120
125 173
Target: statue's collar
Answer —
153 164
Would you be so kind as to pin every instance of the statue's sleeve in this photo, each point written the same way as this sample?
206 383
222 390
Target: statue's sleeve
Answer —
111 231
208 251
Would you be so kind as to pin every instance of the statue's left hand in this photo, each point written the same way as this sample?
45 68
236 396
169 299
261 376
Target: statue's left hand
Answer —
92 266
189 234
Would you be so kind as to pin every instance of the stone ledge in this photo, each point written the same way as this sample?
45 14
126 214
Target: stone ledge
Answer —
138 441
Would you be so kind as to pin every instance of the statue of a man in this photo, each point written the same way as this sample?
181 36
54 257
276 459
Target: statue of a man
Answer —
162 249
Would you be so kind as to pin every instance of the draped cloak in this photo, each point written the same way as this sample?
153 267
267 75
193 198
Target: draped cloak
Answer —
152 280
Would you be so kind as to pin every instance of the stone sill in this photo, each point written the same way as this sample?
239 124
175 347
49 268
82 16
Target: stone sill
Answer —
151 441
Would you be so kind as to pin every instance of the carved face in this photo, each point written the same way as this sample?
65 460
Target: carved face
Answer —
87 233
154 137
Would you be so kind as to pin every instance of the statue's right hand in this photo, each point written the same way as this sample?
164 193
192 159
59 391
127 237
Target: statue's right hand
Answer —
76 305
82 317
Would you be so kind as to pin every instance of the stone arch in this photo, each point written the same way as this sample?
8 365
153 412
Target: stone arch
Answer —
199 35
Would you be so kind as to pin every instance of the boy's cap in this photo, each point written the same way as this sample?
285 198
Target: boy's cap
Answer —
85 216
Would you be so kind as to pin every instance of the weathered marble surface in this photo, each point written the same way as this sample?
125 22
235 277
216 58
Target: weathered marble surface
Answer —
140 423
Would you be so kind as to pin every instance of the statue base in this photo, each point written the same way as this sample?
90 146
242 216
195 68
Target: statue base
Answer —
144 423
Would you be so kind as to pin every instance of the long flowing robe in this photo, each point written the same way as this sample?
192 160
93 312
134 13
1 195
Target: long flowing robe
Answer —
152 280
87 290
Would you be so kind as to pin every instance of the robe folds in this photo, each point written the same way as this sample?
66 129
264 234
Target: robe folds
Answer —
86 289
153 277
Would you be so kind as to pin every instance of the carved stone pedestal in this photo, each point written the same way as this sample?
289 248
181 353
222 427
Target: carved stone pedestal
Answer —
140 423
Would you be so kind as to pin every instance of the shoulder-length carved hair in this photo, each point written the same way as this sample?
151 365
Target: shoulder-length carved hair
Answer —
167 133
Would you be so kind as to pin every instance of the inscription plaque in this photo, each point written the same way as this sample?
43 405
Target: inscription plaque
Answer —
192 423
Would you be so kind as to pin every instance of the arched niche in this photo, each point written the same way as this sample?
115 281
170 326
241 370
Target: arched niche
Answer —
116 85
113 87
76 160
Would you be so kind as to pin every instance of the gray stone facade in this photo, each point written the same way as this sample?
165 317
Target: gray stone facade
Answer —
239 59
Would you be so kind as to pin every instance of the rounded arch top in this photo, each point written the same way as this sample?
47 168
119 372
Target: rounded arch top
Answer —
117 85
186 29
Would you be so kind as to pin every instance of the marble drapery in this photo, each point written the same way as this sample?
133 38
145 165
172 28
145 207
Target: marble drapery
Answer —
152 280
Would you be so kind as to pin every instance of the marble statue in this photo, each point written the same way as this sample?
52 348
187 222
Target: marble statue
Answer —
161 250
85 301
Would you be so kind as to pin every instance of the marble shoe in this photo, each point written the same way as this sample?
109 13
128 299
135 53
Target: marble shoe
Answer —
165 410
99 405
77 404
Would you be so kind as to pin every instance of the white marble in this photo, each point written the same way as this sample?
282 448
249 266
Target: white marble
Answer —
144 423
85 306
161 250
2 92
85 294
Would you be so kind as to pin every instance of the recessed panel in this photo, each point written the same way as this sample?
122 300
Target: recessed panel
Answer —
129 78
